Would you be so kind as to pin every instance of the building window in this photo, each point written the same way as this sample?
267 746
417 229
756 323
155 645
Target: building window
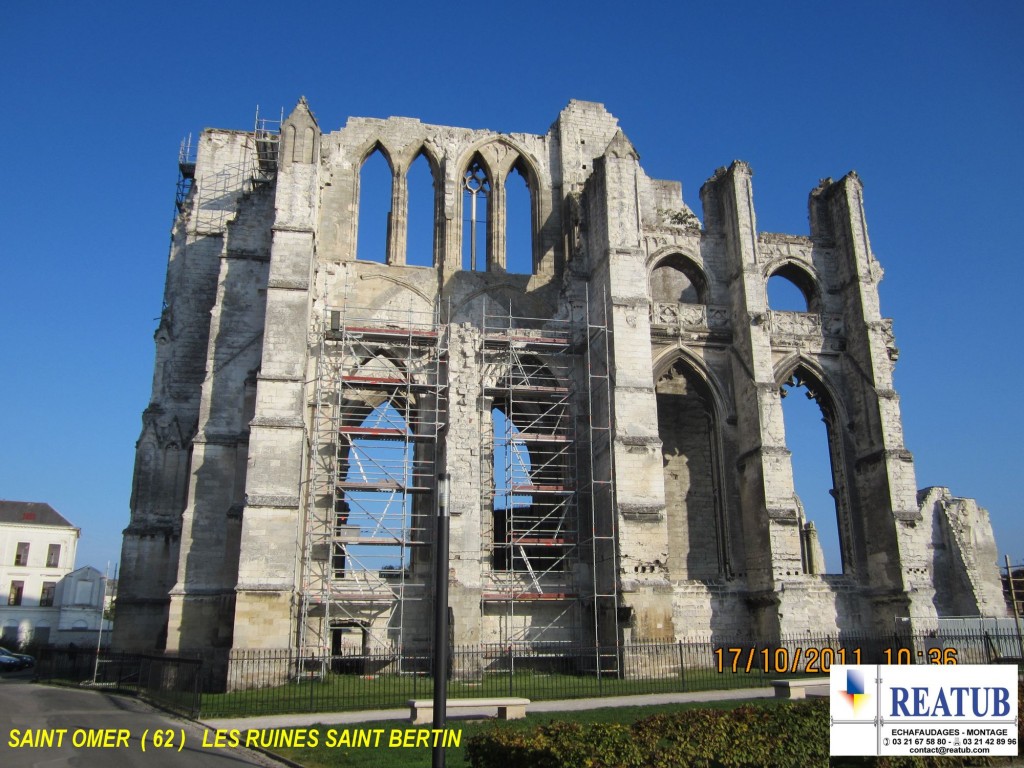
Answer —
14 598
83 593
21 555
476 197
46 598
53 556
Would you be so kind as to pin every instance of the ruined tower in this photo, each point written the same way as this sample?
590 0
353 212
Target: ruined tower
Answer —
605 392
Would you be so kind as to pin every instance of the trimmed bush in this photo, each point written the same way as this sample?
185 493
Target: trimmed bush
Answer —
792 735
789 736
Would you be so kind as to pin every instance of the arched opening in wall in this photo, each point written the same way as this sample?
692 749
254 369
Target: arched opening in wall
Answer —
534 531
511 476
518 223
812 439
687 428
476 219
372 513
791 289
676 279
419 250
375 184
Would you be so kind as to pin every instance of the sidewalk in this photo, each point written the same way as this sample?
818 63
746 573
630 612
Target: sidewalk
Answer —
561 705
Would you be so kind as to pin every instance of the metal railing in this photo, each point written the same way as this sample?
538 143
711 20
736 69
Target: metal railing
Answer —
278 681
172 682
265 682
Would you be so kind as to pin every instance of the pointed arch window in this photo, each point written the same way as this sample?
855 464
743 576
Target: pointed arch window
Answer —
420 213
376 180
678 279
792 289
697 537
518 222
512 507
814 439
476 204
372 516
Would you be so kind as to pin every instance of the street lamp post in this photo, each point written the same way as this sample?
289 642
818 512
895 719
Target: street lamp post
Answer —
440 619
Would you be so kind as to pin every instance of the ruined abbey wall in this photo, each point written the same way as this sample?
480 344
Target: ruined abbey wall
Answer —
635 356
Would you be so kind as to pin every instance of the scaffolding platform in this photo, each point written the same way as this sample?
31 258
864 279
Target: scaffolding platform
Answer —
499 597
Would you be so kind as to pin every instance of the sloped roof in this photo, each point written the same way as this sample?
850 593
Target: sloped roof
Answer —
31 513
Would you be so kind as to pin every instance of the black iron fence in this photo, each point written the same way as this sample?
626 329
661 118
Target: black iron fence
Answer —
172 682
265 682
246 683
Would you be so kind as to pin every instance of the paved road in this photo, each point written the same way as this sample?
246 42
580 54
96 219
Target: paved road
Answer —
40 711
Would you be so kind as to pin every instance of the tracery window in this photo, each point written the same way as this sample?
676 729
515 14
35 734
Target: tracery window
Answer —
476 199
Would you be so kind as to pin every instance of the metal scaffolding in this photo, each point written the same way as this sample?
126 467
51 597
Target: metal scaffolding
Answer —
378 405
219 189
539 534
548 520
596 459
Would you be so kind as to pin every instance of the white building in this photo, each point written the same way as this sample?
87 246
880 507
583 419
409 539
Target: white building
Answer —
48 601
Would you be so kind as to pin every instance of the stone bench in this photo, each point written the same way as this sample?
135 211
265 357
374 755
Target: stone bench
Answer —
801 688
421 711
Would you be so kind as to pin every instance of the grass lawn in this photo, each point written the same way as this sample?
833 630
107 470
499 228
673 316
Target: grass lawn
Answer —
370 757
339 693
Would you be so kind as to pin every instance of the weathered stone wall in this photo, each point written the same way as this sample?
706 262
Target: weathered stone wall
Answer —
962 550
683 518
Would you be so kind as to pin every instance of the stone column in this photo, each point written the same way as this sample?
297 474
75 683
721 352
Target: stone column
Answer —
266 605
894 536
636 445
398 219
771 520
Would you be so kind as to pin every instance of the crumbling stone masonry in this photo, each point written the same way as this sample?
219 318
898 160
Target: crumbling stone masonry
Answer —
606 397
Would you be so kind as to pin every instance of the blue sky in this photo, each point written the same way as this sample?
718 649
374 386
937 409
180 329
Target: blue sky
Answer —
922 99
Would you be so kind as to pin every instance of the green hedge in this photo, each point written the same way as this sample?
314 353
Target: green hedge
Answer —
794 736
785 736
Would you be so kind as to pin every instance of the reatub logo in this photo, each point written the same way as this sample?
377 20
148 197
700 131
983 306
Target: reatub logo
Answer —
856 691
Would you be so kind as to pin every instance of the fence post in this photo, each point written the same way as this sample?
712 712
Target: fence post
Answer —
682 668
511 683
310 690
197 699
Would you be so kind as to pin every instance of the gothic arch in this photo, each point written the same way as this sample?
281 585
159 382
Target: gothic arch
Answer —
521 252
801 275
364 212
437 205
690 428
410 153
514 151
499 165
795 362
376 145
682 276
664 361
400 163
426 302
533 527
476 180
800 371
